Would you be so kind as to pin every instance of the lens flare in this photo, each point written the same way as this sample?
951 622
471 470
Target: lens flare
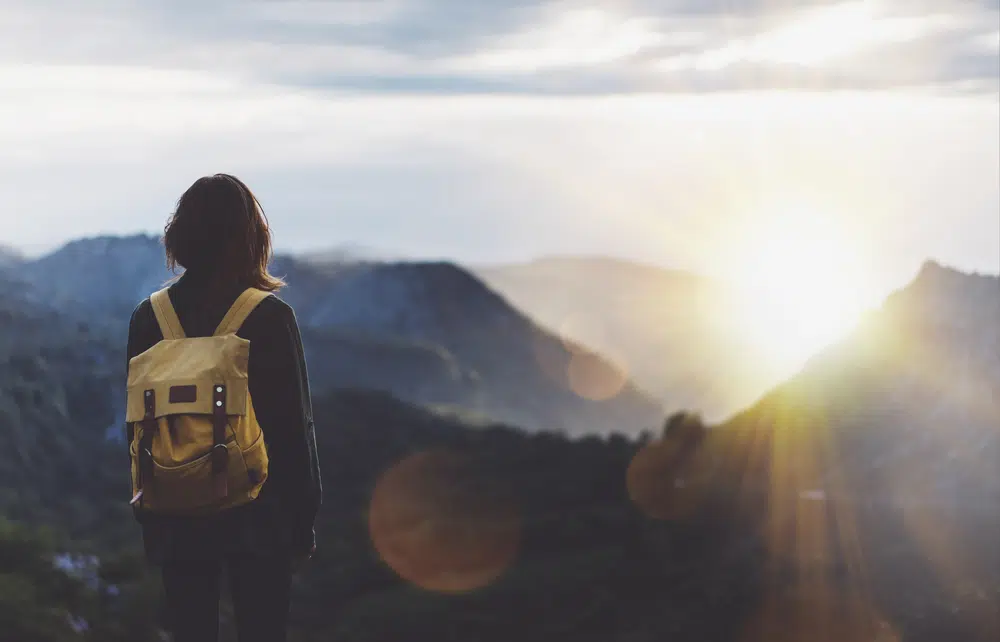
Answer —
440 525
584 372
595 378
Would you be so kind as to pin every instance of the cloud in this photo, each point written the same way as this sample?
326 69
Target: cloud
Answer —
494 130
573 39
516 46
822 36
989 41
507 177
848 46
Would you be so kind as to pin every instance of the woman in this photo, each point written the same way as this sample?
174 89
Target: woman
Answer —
220 236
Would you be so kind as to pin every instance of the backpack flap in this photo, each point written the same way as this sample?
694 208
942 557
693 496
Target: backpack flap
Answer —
183 374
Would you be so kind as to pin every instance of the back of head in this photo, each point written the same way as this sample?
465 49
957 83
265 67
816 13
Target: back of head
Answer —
220 230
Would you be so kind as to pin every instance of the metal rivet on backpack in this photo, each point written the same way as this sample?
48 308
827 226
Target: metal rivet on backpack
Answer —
148 393
219 389
218 403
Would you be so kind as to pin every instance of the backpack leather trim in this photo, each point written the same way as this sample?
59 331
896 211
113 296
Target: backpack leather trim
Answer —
183 394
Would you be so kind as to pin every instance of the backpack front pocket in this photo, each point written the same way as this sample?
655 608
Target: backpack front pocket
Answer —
193 487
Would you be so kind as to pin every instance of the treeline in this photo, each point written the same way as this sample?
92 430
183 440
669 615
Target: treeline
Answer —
435 530
430 530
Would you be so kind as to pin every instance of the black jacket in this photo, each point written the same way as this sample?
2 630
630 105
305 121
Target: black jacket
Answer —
281 520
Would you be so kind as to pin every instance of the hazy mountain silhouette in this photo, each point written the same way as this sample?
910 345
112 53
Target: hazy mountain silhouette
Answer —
856 500
9 256
664 326
875 469
914 387
102 277
429 332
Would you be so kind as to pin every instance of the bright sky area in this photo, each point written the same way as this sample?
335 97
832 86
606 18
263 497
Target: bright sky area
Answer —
669 132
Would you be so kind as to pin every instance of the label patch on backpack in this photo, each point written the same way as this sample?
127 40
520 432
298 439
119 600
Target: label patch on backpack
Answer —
183 394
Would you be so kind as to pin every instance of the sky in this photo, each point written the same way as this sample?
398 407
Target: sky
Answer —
489 131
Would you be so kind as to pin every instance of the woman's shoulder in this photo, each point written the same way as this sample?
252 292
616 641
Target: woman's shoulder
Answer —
275 304
142 313
272 310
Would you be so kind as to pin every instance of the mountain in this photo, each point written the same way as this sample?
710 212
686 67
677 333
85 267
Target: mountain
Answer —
9 257
102 277
429 332
60 387
662 326
528 377
503 520
915 387
876 468
855 502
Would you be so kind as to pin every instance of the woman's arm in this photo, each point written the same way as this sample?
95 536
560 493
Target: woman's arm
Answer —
279 387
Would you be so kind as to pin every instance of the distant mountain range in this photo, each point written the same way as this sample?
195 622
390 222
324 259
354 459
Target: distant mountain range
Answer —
101 278
430 333
617 342
863 490
662 326
9 256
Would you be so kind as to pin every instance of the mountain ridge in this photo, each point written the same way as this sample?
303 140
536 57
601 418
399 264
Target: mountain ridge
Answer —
380 320
665 326
860 493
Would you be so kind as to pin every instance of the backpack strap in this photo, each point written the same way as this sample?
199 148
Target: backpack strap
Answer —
241 309
166 316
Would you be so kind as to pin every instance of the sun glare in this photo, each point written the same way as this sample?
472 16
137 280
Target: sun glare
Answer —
800 286
826 34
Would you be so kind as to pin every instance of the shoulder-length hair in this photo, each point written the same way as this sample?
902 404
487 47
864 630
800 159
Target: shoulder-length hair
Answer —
219 229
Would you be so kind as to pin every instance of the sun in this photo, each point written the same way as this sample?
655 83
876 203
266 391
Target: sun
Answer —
800 285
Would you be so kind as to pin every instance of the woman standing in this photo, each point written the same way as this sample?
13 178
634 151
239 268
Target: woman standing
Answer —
220 236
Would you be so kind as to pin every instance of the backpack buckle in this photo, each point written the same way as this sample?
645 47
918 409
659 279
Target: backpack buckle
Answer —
220 458
220 466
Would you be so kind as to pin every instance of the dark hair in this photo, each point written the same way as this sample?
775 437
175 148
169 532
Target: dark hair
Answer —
219 228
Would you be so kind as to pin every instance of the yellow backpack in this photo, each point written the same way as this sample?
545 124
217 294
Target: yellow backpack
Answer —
197 446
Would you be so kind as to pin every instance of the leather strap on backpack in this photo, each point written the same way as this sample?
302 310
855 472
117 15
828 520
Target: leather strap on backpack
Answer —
149 428
220 454
246 303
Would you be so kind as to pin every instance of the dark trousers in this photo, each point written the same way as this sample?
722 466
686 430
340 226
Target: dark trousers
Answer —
259 586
